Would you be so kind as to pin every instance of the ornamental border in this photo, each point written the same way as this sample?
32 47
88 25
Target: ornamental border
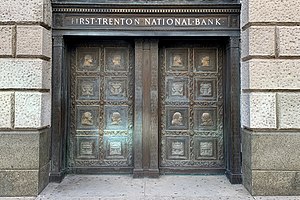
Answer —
147 11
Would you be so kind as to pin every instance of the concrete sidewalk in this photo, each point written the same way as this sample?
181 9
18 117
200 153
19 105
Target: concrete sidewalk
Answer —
124 187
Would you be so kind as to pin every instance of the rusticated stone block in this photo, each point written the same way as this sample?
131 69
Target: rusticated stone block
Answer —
43 177
32 109
25 10
270 74
245 110
44 147
270 11
33 40
24 150
289 41
258 110
6 109
258 41
14 183
24 166
246 147
19 151
245 75
25 73
6 40
245 48
244 12
270 162
289 110
275 183
247 178
18 183
271 150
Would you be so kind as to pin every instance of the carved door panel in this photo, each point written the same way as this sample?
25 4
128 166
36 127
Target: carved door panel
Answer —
191 106
101 85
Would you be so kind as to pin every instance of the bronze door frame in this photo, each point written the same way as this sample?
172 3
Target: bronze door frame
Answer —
146 101
145 23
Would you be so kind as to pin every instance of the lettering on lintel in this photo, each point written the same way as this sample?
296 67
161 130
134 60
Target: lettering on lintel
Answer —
148 22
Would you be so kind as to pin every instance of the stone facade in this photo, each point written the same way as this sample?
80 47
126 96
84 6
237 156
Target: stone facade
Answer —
270 96
270 83
25 100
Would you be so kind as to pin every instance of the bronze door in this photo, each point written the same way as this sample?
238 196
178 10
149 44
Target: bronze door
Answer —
101 119
103 107
191 108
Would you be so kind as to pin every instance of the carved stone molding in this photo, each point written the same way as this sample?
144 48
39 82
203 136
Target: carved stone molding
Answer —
146 10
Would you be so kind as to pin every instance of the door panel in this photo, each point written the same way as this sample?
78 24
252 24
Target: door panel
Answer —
102 84
191 106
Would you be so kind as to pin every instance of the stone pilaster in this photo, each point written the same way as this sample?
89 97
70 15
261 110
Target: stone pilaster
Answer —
25 99
270 108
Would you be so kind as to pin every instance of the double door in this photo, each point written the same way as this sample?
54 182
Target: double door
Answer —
146 106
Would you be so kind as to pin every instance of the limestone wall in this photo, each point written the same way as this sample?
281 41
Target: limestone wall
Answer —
25 100
270 100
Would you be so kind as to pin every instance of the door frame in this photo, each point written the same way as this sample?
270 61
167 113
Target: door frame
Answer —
144 51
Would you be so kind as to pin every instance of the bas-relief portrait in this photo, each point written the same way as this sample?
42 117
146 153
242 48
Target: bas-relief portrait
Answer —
206 119
177 119
116 118
177 61
87 119
205 61
116 60
88 61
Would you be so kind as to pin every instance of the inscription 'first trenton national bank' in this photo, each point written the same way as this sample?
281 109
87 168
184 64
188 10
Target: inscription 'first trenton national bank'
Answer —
148 22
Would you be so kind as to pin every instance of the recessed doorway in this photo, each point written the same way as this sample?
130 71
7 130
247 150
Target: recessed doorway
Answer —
146 106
